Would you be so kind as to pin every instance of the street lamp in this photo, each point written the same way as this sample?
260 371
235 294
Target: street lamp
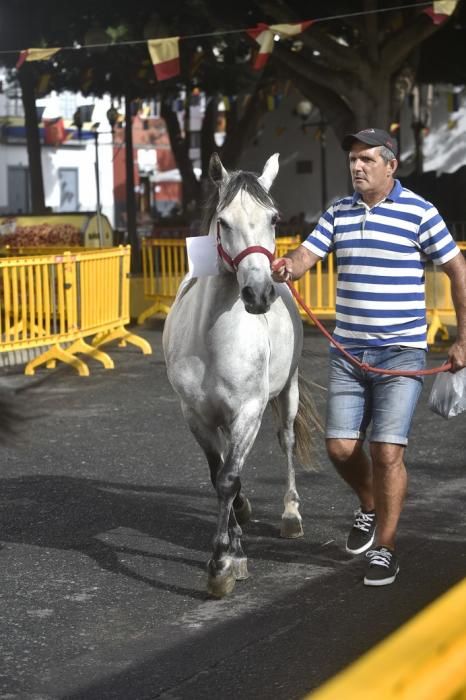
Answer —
112 116
95 130
303 109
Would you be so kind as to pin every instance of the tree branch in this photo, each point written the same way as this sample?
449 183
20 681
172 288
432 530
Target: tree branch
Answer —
244 129
400 45
332 107
317 73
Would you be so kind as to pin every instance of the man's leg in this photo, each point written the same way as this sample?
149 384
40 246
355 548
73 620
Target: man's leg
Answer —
394 400
354 466
379 482
348 414
389 488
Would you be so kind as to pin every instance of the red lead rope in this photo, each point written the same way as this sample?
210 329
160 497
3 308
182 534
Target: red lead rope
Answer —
362 365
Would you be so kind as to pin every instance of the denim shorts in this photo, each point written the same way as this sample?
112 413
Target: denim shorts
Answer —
358 399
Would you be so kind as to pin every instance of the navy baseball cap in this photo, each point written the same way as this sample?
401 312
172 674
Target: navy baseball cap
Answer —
373 137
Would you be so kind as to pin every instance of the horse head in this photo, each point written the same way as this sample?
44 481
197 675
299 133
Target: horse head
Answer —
244 221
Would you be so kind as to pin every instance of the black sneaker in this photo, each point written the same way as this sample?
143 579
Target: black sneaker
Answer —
362 533
383 567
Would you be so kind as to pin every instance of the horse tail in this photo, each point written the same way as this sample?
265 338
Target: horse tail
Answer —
306 423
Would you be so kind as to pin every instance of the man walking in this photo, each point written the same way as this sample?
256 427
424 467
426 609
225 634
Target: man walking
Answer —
382 236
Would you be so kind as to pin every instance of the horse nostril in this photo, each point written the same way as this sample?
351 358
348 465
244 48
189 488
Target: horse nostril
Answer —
268 295
248 295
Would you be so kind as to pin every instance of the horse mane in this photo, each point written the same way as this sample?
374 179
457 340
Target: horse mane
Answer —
239 180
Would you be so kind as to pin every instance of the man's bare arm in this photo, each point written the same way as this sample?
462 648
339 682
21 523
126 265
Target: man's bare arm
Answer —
456 271
294 265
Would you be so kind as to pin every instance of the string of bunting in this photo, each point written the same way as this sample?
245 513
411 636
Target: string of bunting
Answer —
165 53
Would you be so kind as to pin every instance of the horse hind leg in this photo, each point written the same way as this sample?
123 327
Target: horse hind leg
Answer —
285 407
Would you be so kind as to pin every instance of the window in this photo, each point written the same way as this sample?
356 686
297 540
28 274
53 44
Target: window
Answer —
68 179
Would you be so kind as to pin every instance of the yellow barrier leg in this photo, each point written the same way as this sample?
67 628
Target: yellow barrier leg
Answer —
80 345
156 308
125 336
29 328
436 326
57 353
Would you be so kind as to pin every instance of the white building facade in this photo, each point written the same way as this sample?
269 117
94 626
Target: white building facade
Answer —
69 168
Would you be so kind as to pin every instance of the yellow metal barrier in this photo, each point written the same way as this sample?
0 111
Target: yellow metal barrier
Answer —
423 660
317 288
440 307
164 263
49 300
10 251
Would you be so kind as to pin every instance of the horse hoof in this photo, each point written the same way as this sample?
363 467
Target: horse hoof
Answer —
291 527
244 512
220 586
240 568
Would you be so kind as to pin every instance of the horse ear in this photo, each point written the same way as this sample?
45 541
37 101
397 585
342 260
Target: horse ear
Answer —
217 172
270 172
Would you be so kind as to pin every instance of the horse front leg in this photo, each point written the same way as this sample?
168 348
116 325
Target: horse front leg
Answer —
228 562
288 401
209 439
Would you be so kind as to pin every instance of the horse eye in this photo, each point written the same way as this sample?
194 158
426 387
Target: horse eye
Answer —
275 219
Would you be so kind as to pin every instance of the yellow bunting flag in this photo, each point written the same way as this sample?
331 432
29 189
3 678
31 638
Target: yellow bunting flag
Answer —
165 56
441 10
35 55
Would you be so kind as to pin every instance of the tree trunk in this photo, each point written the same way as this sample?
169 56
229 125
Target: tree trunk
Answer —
26 80
208 144
244 130
191 187
130 199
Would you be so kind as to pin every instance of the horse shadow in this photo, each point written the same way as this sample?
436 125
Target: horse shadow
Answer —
86 516
78 514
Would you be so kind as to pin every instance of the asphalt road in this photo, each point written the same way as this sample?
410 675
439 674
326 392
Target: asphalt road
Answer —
107 516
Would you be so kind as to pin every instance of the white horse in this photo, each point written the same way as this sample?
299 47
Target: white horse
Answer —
232 342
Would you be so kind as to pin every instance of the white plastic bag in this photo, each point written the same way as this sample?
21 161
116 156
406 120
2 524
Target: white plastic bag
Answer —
448 395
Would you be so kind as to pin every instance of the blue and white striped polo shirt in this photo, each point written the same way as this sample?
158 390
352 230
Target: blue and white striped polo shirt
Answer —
381 255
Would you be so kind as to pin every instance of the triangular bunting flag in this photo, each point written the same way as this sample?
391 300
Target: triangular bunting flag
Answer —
291 29
54 132
264 35
36 55
165 56
441 10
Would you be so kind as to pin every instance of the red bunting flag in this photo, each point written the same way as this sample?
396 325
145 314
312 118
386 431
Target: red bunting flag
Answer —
54 132
165 56
441 10
264 35
35 55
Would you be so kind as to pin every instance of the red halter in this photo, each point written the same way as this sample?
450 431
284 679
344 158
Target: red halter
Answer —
234 262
